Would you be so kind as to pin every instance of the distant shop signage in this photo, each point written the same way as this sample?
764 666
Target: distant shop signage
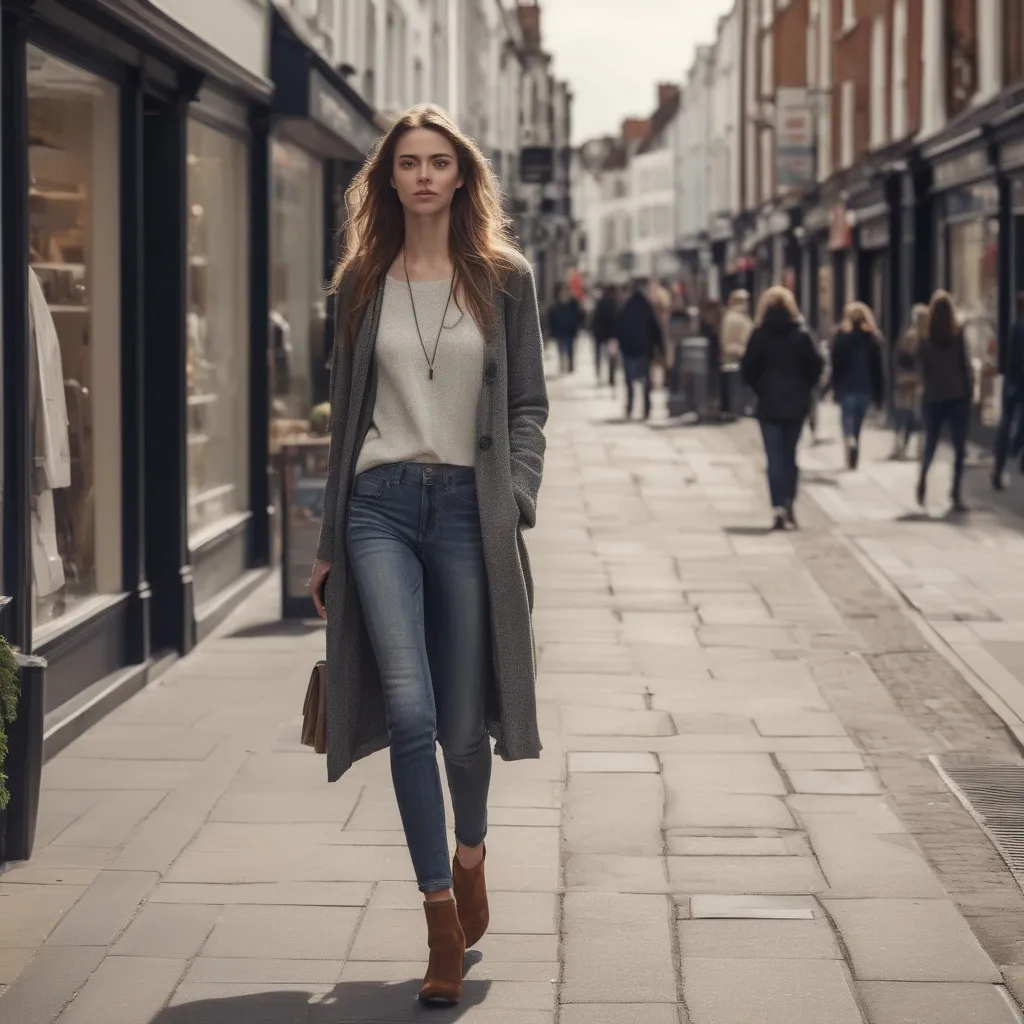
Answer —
794 139
962 169
537 165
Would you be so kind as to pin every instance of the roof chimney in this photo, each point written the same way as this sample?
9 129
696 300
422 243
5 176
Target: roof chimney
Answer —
634 129
667 92
529 21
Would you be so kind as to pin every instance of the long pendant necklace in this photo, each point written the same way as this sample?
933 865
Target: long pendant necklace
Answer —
419 334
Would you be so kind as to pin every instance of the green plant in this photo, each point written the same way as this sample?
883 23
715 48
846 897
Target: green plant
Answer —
9 691
320 418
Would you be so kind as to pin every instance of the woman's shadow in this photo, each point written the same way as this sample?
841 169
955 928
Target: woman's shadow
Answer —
352 1002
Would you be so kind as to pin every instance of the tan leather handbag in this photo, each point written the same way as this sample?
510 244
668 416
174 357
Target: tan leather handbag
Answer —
314 710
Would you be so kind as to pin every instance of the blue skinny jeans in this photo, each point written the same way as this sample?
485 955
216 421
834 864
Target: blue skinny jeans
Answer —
417 558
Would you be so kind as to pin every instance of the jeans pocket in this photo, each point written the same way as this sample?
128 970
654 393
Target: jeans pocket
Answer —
463 493
370 484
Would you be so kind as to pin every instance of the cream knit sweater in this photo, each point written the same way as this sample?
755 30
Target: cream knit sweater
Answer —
416 419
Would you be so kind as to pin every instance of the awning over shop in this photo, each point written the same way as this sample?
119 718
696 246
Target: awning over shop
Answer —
313 102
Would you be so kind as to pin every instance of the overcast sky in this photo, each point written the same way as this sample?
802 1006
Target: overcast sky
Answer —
614 51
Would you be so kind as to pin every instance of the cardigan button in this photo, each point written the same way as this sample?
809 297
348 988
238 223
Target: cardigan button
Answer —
485 443
491 373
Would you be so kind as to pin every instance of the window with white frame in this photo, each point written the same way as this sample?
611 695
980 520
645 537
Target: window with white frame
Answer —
849 14
879 133
847 114
900 43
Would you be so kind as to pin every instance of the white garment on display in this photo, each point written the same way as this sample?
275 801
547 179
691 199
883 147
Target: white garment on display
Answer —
55 457
47 565
51 441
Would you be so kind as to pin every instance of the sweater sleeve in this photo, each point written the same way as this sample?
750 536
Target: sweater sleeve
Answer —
527 394
341 378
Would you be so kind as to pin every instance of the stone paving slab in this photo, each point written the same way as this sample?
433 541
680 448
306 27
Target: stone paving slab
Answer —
769 992
758 939
617 949
782 875
910 940
935 1003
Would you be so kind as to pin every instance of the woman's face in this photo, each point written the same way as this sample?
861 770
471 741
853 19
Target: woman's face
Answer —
426 171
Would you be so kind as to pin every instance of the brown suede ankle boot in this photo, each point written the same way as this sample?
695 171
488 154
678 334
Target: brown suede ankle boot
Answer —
471 896
443 982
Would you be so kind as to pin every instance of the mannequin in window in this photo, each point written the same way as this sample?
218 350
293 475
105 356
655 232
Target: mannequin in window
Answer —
49 418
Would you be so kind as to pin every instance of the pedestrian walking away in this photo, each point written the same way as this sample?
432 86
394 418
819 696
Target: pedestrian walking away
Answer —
781 366
948 385
438 407
638 330
907 381
603 329
564 322
1010 432
857 376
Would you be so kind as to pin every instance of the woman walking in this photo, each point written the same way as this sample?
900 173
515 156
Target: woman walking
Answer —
907 382
857 378
948 386
438 407
565 321
781 366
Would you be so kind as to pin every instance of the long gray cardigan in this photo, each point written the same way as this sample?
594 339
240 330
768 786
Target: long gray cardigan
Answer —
510 420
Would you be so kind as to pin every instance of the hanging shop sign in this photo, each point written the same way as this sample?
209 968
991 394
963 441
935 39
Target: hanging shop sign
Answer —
794 139
839 234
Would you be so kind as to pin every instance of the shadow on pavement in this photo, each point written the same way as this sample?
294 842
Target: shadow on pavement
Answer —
749 531
356 1002
285 627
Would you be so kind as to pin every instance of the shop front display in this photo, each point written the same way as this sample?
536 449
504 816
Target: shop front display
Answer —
217 331
299 351
74 401
971 216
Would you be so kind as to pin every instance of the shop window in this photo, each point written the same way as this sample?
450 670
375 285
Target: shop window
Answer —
75 379
973 282
217 324
299 353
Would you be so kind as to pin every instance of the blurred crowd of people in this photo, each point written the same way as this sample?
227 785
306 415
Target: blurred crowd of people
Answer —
771 365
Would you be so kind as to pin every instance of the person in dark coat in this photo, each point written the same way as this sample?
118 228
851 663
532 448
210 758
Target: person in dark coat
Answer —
603 329
1010 433
857 375
640 339
948 387
781 366
565 321
710 327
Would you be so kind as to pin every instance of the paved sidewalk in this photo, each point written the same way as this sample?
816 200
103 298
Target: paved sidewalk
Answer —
734 819
963 574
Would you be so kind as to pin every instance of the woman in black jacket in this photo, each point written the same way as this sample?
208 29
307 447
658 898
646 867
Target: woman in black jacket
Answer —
603 329
948 387
565 321
857 376
781 366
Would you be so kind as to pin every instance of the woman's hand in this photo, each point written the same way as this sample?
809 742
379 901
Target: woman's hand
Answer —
317 582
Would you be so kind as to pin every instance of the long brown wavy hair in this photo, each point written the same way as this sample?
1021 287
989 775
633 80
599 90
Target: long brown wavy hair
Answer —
943 326
480 242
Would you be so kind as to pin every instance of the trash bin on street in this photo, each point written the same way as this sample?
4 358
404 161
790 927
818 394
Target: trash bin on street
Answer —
303 469
688 382
24 763
736 398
